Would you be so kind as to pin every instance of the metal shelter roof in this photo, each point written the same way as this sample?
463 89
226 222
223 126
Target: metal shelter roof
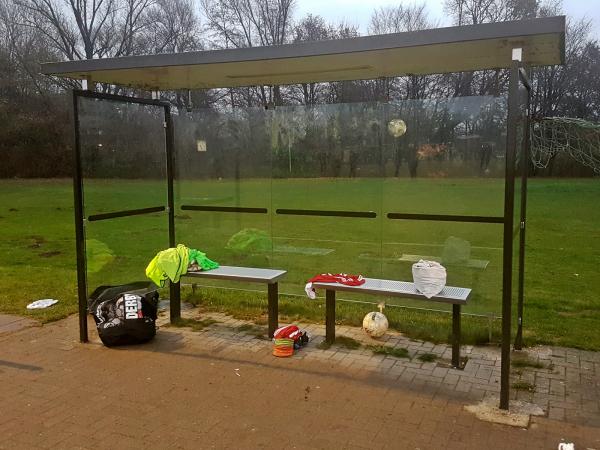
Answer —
442 50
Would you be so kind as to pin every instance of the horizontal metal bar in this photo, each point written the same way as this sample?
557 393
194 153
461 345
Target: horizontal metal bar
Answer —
326 213
446 218
119 98
125 213
227 209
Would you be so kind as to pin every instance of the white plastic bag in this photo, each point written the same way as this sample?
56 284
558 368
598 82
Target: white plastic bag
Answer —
566 446
40 304
429 277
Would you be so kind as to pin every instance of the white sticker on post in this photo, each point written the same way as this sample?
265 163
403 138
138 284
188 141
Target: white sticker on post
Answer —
517 54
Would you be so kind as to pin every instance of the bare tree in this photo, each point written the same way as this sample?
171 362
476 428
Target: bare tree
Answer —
86 29
249 23
473 12
21 49
552 84
314 28
398 19
173 26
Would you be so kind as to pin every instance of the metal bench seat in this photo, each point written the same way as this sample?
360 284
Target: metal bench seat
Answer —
457 296
270 277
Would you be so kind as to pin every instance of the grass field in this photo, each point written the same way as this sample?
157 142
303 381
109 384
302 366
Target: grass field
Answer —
37 252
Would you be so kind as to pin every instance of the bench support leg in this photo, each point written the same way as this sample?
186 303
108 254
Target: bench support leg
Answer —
456 336
329 316
174 301
273 308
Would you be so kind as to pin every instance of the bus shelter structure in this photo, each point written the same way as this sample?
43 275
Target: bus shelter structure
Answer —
103 173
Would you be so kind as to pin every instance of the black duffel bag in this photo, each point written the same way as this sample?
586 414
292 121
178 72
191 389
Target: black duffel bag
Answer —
125 314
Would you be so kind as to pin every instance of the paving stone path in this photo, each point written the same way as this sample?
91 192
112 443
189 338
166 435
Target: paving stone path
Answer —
10 323
222 388
564 382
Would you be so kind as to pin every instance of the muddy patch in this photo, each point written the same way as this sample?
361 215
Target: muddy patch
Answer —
37 241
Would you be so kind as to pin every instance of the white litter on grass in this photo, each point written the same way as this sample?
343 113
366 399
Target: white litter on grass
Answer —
566 446
518 414
40 304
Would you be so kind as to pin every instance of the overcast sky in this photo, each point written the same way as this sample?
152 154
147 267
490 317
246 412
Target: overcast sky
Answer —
358 12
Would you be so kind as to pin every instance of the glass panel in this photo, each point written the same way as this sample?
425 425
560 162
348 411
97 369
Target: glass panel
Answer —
450 159
224 161
305 164
327 158
118 250
123 156
470 252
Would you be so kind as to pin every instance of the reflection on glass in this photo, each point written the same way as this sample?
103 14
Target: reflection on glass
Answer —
123 163
224 161
316 184
123 155
118 250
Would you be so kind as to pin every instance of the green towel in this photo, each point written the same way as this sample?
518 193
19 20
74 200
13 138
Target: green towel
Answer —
200 258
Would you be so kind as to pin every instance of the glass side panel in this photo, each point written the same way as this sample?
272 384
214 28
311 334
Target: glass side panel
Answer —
118 250
470 252
325 177
449 160
123 162
327 158
224 161
123 155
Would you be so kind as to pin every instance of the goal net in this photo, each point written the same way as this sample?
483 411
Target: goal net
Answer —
578 138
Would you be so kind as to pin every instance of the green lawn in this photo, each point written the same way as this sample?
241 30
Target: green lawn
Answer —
562 302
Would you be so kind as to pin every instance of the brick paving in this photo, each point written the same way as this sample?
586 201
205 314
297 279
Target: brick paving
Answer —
222 388
566 385
10 323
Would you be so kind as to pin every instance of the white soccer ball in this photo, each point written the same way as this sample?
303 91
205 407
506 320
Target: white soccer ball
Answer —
397 127
375 324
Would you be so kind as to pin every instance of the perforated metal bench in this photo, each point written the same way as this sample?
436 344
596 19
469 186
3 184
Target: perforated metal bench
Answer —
270 277
456 296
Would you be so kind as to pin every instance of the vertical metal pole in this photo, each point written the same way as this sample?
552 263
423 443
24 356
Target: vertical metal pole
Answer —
509 200
273 307
174 288
79 223
524 175
330 316
456 336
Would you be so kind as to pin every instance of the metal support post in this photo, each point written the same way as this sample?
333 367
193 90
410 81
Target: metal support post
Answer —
524 175
174 288
79 224
456 336
330 316
273 307
509 200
